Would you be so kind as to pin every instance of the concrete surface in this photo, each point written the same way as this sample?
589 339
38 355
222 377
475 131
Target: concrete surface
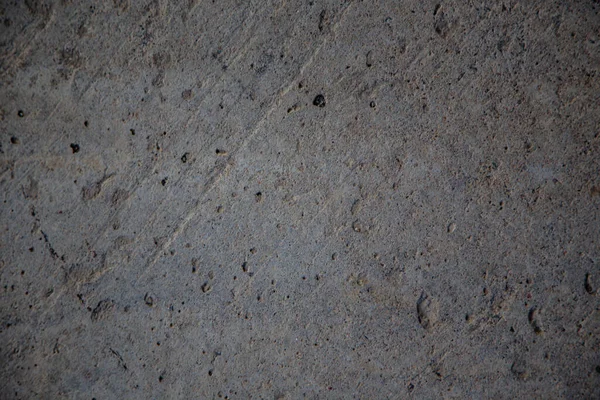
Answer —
299 199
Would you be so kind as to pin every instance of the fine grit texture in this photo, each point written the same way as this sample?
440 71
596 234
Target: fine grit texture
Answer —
272 199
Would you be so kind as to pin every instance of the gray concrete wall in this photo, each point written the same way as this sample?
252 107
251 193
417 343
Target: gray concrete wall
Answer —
299 199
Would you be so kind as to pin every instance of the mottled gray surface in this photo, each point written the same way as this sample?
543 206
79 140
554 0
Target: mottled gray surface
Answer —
183 217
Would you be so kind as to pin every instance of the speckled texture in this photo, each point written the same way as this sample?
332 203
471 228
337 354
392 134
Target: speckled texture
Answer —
299 199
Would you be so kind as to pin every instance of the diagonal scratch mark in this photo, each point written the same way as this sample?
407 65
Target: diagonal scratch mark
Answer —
211 182
144 178
317 50
283 91
119 358
273 106
215 178
147 176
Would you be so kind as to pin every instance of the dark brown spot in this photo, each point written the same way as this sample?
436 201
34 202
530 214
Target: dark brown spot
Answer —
319 101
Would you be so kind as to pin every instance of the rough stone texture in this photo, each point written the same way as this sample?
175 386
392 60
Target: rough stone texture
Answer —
320 199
